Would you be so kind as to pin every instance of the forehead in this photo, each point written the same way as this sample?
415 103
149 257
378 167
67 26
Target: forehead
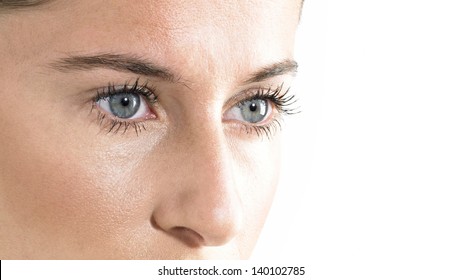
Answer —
170 17
167 17
178 18
207 35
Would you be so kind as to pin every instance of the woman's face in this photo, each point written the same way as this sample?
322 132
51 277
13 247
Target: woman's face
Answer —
144 129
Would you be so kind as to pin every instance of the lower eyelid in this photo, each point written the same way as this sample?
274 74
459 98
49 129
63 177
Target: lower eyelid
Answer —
269 129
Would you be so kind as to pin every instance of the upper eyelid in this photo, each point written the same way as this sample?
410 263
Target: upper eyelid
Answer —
252 93
135 87
108 91
148 86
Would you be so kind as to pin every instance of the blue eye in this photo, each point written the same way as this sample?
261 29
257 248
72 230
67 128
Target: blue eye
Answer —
254 111
250 111
121 107
124 105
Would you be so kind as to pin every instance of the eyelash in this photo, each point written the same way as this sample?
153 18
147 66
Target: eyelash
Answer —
115 125
283 103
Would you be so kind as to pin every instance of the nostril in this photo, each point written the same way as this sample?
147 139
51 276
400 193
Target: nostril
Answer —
188 236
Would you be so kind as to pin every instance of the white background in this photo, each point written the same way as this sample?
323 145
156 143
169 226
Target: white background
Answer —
372 177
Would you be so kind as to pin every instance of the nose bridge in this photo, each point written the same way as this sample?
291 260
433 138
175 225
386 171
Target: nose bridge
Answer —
205 200
211 166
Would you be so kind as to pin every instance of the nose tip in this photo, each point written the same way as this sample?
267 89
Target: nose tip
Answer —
212 224
220 225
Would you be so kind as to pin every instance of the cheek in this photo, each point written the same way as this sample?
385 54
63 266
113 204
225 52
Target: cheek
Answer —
46 182
59 188
258 170
257 179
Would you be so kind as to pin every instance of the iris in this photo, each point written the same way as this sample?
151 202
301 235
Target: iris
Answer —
124 105
254 111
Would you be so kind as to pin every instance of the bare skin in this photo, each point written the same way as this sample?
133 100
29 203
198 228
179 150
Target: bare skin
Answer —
189 180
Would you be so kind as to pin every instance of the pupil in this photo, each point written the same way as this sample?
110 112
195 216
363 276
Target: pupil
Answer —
253 107
125 101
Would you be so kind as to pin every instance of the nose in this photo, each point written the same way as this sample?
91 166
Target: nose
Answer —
202 205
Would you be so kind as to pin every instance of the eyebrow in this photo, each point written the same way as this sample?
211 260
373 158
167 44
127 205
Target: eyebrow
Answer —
117 62
140 66
288 66
17 4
